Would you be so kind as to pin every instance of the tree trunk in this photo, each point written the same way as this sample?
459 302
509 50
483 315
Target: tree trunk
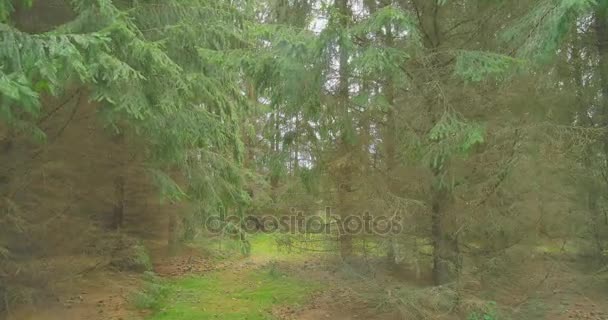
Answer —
601 32
119 203
296 146
390 142
345 239
446 263
118 213
173 232
446 255
275 141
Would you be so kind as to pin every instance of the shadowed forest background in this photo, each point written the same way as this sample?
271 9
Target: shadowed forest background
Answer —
480 125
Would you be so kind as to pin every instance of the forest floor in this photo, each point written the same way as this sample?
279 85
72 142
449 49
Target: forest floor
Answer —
196 284
203 282
269 284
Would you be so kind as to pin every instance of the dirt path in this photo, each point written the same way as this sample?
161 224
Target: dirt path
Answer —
107 295
334 299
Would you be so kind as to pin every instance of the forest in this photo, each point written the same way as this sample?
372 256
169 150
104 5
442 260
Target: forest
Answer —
303 159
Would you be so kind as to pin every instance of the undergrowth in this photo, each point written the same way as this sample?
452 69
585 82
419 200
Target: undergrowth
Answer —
488 312
153 294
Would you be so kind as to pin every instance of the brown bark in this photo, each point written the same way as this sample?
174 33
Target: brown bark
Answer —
601 33
119 203
446 255
390 142
275 141
445 246
173 232
119 187
344 182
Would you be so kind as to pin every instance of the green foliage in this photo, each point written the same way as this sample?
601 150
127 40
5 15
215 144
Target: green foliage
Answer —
275 163
183 75
171 70
452 136
539 33
476 66
281 68
153 295
169 190
489 312
273 270
310 179
401 23
295 13
7 7
35 64
374 61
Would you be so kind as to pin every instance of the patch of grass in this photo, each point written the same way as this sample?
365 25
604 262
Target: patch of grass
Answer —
153 295
488 312
141 257
229 295
287 247
572 247
273 270
264 245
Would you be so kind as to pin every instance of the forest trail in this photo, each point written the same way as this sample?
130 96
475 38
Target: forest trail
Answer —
264 285
268 284
441 159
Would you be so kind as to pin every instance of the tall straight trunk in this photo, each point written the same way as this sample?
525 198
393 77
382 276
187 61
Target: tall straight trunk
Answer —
390 141
296 146
119 182
250 144
391 124
582 112
276 136
445 246
344 184
173 232
446 255
582 118
249 147
601 33
118 213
